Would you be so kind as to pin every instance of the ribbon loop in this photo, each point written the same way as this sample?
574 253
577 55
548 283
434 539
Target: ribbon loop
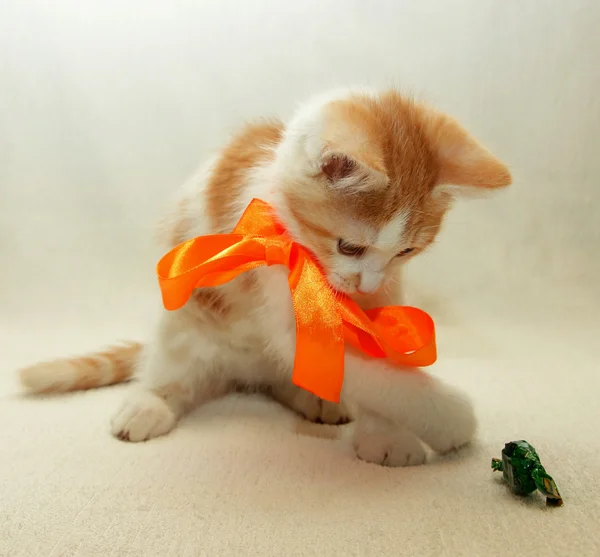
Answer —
325 320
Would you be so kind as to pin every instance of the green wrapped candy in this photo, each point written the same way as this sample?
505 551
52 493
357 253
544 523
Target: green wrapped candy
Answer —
524 473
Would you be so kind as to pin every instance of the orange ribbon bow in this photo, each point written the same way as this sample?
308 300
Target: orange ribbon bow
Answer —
325 320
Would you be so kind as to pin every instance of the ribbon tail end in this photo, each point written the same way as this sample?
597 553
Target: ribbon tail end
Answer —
326 394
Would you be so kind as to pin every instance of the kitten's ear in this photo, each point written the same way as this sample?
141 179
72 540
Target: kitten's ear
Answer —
466 166
350 173
348 157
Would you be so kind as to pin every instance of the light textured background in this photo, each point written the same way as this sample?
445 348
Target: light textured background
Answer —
106 107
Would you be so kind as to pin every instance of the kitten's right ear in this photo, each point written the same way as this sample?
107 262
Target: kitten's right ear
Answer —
347 173
347 155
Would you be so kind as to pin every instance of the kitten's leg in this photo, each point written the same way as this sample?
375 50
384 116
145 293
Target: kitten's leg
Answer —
176 373
436 413
279 325
309 405
379 441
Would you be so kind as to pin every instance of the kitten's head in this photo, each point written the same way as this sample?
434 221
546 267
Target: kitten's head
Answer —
366 180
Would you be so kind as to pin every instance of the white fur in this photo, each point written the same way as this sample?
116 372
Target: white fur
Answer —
383 442
389 234
257 343
56 376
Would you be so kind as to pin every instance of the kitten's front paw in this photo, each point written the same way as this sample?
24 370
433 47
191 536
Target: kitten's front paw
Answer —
380 444
311 406
333 414
453 423
143 416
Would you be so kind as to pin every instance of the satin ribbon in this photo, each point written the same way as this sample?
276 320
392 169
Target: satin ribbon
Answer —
325 320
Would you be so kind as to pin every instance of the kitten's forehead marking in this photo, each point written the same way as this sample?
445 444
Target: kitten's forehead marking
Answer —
360 232
390 235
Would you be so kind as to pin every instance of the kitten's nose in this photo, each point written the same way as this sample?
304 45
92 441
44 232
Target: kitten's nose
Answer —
369 283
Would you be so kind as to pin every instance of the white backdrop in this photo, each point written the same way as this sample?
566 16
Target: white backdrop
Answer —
107 106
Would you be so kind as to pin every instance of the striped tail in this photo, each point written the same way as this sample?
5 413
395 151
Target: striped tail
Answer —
114 365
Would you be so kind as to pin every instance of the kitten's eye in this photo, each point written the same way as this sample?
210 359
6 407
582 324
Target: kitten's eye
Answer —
350 249
405 252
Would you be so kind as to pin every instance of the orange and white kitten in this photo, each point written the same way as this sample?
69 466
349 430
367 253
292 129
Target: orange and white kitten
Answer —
361 179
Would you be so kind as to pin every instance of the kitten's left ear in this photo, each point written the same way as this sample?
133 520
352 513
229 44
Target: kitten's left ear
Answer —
465 166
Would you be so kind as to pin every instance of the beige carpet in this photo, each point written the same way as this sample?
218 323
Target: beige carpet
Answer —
106 106
234 479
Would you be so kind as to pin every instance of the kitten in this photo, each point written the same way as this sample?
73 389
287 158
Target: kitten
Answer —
364 181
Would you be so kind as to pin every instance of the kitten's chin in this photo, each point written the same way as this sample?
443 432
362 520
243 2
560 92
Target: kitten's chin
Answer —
352 293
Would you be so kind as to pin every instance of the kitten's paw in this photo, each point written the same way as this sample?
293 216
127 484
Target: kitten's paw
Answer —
453 423
380 444
311 406
332 413
143 416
